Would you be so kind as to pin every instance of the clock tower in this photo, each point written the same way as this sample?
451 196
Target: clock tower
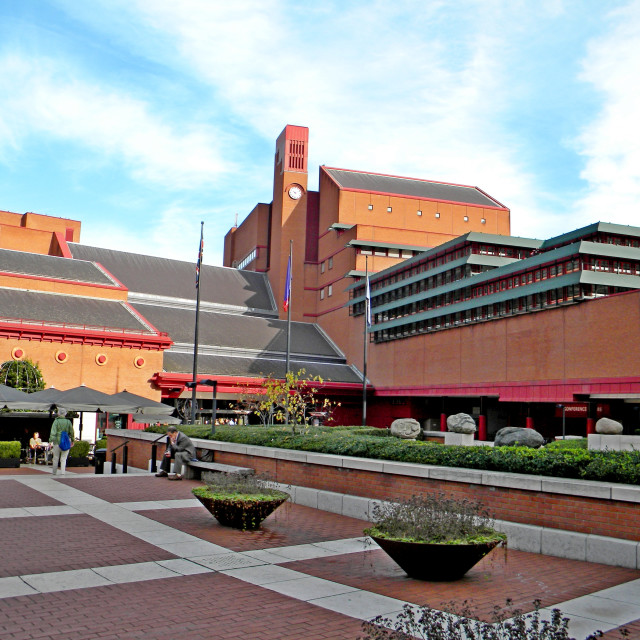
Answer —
289 216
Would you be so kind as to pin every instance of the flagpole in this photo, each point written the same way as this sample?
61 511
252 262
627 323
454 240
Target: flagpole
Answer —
288 302
367 315
194 402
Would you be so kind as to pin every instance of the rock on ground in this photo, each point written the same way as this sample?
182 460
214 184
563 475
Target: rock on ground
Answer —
518 436
406 428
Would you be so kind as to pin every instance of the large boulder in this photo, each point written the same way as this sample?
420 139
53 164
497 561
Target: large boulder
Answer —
607 426
518 436
406 428
461 423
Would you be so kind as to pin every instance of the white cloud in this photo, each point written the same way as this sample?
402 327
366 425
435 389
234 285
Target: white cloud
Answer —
42 97
610 143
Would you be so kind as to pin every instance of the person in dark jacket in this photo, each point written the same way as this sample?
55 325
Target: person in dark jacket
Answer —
181 449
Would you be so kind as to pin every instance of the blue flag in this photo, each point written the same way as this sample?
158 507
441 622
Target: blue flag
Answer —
287 287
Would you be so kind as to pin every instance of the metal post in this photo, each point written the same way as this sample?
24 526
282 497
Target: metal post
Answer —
214 407
154 455
125 457
563 423
113 462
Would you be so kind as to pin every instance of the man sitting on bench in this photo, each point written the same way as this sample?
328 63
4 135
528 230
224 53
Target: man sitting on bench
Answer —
181 449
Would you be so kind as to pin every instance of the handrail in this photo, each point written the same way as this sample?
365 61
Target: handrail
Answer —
122 444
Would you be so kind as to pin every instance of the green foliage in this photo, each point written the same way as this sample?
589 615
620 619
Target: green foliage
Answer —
582 443
101 444
434 518
190 430
9 449
80 449
460 622
22 374
607 466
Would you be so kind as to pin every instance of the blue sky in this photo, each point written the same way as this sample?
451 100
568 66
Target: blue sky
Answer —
142 117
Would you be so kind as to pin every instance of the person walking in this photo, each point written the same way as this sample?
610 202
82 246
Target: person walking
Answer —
60 424
181 449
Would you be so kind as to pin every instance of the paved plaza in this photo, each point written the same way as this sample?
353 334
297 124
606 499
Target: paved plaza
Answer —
134 556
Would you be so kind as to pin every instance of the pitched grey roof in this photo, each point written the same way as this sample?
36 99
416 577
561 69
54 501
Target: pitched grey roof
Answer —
176 279
256 367
239 332
35 264
411 187
55 309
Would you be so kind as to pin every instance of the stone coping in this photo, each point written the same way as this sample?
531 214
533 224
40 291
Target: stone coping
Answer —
524 482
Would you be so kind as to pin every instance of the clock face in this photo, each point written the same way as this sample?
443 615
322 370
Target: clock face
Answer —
295 192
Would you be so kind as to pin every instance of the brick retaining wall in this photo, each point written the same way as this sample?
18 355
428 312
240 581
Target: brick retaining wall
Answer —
594 508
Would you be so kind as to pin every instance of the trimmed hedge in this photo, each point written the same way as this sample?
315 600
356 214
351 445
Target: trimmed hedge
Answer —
9 449
606 466
80 449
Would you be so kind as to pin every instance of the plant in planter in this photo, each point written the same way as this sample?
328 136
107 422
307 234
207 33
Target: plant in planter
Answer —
10 454
241 502
79 454
434 536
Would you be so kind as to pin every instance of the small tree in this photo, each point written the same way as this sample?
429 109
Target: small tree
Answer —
22 374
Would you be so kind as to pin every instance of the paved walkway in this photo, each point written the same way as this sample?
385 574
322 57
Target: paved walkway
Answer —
134 556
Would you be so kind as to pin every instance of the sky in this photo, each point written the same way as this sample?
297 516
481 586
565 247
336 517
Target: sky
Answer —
140 118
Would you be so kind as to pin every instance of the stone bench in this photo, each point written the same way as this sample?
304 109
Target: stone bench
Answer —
194 469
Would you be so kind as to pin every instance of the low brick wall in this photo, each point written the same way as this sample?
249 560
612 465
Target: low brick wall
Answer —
585 507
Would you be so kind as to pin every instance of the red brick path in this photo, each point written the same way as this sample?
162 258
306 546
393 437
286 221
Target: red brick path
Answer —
288 525
202 607
521 576
40 544
14 494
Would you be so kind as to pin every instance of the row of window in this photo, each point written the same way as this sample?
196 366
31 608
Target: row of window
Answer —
250 257
524 304
329 290
419 213
329 263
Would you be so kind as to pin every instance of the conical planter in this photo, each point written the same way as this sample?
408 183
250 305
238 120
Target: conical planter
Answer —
242 513
435 562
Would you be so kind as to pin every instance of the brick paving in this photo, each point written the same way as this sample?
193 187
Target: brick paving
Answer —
199 607
61 543
14 494
214 605
22 471
134 488
521 576
290 524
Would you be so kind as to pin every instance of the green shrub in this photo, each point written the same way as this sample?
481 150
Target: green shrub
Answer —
80 449
101 444
608 466
9 449
567 444
434 518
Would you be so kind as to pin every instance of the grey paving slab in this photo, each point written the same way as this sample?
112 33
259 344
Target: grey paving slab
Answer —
309 588
265 556
184 567
61 510
64 580
225 561
627 592
348 545
360 604
141 506
12 587
602 610
266 574
192 549
164 536
135 572
181 504
14 513
302 552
